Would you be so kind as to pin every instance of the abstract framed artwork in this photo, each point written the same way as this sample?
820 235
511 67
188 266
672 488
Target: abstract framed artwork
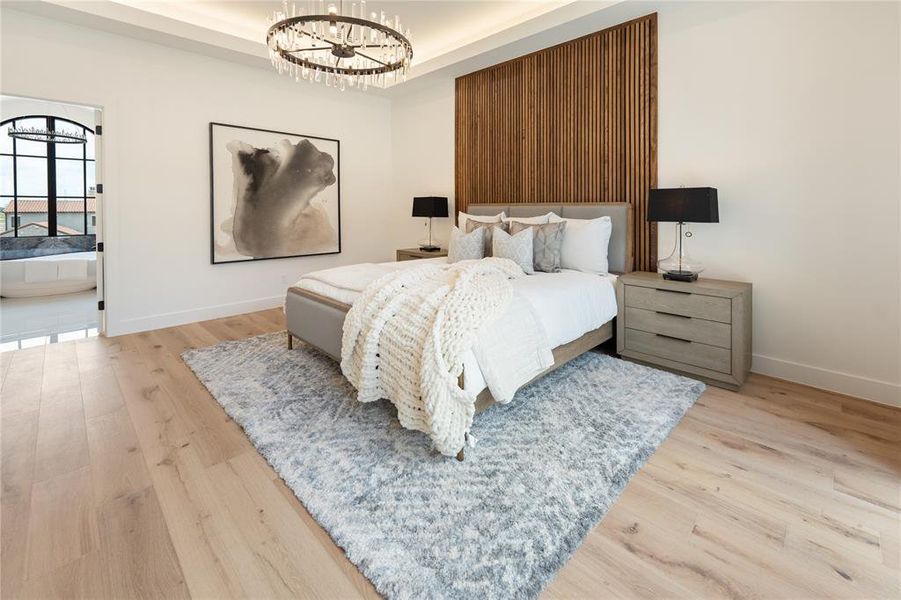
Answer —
272 194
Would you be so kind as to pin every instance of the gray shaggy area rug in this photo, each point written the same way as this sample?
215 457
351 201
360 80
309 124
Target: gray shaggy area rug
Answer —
544 471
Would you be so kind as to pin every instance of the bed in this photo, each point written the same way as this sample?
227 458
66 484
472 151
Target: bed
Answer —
576 309
48 275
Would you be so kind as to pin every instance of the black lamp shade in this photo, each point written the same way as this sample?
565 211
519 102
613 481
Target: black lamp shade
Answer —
687 205
430 206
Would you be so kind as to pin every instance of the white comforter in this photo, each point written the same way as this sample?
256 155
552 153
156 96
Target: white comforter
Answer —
407 335
568 304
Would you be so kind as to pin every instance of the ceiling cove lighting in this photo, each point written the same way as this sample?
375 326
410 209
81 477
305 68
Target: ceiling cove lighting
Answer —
327 43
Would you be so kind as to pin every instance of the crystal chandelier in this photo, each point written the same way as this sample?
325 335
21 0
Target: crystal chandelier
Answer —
51 136
327 43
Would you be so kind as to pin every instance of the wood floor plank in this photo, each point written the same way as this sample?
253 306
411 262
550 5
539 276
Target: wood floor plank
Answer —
15 512
215 436
99 391
18 434
778 491
363 586
133 533
116 458
62 445
86 577
296 564
6 359
62 525
876 488
21 391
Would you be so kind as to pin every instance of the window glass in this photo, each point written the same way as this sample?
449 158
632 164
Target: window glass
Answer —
69 217
33 217
31 176
92 179
69 177
89 146
28 147
69 150
6 142
6 175
6 216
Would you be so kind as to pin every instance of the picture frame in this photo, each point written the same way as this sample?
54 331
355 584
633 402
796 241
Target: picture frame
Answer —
273 194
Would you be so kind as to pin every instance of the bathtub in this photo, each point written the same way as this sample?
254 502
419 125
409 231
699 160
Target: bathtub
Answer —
48 275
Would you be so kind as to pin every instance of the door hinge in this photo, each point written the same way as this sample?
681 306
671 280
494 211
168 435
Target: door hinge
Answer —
99 246
100 305
98 130
99 188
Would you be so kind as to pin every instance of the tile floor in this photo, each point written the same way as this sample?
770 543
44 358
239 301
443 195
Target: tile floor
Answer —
26 322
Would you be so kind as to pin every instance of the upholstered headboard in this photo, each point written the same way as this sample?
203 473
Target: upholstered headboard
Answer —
620 255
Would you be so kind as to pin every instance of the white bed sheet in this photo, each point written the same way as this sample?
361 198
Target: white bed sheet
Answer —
569 303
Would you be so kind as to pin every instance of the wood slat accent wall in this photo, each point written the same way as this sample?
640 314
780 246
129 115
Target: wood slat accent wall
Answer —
573 123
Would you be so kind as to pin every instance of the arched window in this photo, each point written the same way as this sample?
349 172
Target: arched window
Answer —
46 189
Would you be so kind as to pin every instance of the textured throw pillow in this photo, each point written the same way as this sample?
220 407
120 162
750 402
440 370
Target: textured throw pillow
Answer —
466 246
463 218
489 228
547 244
517 248
585 244
539 220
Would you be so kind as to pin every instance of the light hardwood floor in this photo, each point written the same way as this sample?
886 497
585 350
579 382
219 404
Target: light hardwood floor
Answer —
122 477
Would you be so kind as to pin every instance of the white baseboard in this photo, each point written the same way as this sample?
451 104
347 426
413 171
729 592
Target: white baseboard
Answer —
883 392
183 317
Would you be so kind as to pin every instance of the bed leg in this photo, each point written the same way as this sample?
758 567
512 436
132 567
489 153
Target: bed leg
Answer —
290 341
460 455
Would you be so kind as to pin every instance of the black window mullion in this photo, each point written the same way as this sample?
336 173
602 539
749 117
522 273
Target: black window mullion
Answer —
51 182
15 191
84 179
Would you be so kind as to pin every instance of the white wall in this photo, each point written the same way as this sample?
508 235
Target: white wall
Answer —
17 107
423 153
792 111
157 105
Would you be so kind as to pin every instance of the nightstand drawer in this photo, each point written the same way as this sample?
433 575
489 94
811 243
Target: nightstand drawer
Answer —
684 351
712 308
687 328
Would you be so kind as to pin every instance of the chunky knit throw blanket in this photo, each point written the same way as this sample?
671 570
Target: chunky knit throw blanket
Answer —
405 338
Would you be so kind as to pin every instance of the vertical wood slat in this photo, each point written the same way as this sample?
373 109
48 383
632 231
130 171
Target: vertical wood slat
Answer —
573 123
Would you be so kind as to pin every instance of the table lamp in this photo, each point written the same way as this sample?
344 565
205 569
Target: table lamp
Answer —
682 205
430 206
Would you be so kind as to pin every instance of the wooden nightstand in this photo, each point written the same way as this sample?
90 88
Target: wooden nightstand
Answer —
701 328
416 253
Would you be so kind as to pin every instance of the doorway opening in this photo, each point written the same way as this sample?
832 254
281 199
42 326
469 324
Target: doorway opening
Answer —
51 274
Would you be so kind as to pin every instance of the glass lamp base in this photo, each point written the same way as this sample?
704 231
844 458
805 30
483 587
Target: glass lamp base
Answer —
679 265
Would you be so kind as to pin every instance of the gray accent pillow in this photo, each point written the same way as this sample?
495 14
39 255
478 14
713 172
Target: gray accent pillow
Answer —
489 231
547 246
466 246
517 248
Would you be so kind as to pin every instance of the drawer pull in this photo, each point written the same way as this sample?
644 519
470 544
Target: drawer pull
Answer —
673 291
669 314
670 337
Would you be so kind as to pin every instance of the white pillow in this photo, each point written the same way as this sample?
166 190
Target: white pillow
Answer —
517 248
585 243
463 217
540 220
466 246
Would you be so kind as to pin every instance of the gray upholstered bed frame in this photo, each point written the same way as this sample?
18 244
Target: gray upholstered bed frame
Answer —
319 321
